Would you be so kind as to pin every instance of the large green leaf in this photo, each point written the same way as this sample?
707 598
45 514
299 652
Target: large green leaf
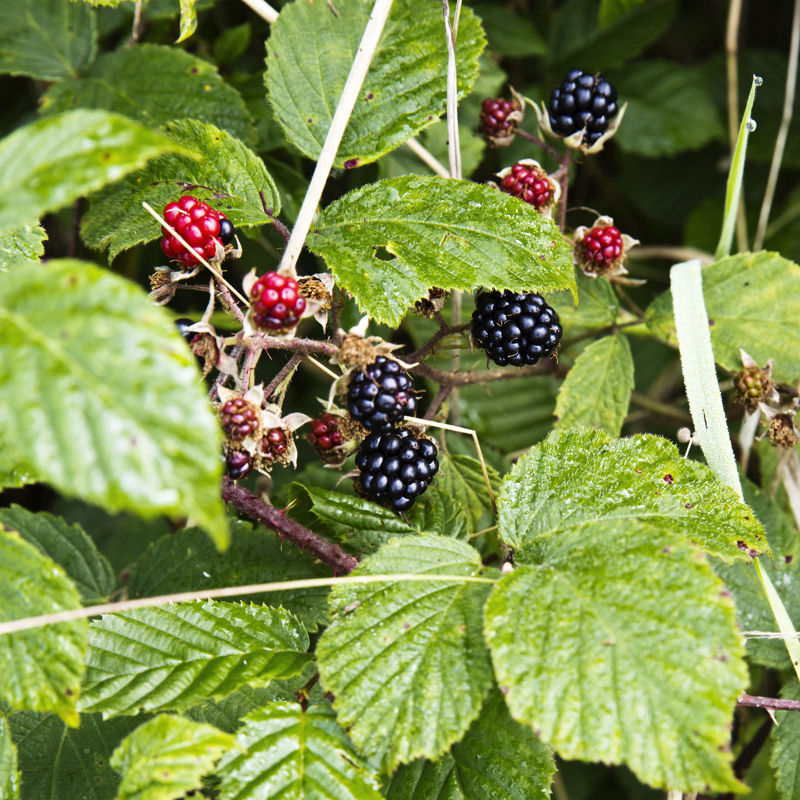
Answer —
51 162
166 757
69 547
46 39
753 302
577 476
285 751
58 762
597 307
497 758
669 110
510 33
178 561
461 478
389 241
40 668
406 661
229 176
172 657
9 775
785 757
621 646
116 413
155 84
597 390
21 245
309 54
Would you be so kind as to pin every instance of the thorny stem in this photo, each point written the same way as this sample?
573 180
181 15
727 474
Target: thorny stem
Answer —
250 360
264 341
227 298
437 401
773 703
281 228
254 507
564 162
285 370
552 152
454 379
437 337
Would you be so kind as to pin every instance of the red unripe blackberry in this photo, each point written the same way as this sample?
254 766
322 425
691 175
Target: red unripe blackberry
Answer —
515 328
583 101
276 303
530 183
498 119
238 464
600 248
239 419
198 224
274 444
396 467
325 434
381 395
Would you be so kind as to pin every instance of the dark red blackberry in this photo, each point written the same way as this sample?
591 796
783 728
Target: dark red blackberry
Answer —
325 433
499 119
583 101
381 395
529 182
274 444
395 467
198 224
238 464
238 418
277 305
600 249
514 328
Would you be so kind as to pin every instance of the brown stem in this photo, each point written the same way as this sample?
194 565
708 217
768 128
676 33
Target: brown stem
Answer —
752 749
255 508
282 229
453 379
437 337
539 143
304 346
562 200
227 298
775 703
284 371
440 397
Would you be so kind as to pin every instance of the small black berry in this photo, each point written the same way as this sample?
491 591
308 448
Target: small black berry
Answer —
515 328
396 467
381 395
226 230
583 101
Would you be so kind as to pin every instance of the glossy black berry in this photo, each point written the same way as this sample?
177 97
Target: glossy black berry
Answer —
238 464
226 231
381 395
396 467
515 328
582 101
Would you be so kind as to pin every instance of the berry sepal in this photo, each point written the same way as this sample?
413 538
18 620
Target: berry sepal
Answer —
601 250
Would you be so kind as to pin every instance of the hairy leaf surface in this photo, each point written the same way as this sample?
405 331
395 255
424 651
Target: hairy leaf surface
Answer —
40 668
53 161
389 241
116 412
9 775
406 661
309 53
172 657
622 646
229 176
285 751
578 475
21 245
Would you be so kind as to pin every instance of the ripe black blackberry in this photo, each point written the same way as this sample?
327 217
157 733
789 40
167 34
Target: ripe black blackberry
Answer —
381 395
396 467
582 101
514 328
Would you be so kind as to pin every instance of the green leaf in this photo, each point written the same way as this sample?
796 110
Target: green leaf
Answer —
229 176
46 39
509 33
9 775
51 162
176 562
406 660
579 476
461 478
597 389
58 762
116 411
786 745
389 241
172 657
285 751
752 608
621 646
155 84
166 757
737 290
188 20
575 38
40 668
20 245
669 110
611 9
498 757
309 54
598 306
69 547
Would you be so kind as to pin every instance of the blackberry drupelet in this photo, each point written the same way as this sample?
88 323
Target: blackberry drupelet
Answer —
238 464
515 328
498 120
582 101
396 467
381 395
276 303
